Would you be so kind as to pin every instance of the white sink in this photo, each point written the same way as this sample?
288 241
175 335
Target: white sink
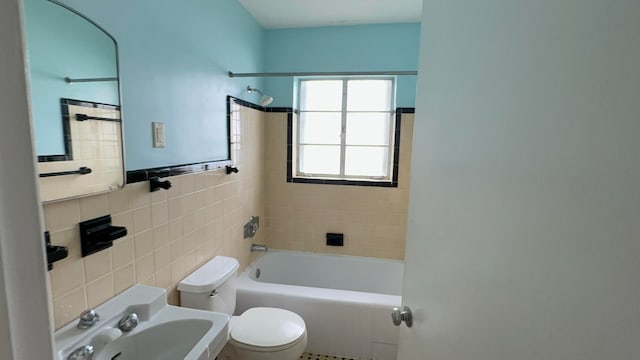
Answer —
163 331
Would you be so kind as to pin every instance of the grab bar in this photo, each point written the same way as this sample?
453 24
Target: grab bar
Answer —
83 117
81 171
69 80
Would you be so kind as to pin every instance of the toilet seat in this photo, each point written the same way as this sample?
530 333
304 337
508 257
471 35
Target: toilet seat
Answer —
267 329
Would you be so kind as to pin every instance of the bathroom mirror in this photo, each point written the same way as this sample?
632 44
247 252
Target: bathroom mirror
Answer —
75 102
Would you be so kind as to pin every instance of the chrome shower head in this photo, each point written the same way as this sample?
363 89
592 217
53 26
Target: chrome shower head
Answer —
264 99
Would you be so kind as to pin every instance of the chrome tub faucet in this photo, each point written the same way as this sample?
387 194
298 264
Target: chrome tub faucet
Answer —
256 247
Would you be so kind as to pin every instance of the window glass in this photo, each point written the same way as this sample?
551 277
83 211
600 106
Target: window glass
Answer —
320 128
366 161
321 95
320 159
369 95
368 128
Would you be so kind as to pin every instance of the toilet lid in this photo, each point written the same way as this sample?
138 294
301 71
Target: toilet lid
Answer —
267 327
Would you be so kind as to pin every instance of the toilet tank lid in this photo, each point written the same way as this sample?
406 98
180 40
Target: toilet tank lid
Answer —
210 276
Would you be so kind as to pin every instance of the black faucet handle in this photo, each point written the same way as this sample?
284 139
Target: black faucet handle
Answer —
155 184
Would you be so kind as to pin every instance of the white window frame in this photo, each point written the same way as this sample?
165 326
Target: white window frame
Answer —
388 178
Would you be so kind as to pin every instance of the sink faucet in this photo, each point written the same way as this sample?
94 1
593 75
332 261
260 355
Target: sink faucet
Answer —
256 247
128 322
88 318
82 353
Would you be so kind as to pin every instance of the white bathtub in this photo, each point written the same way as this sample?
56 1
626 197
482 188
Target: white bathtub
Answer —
346 301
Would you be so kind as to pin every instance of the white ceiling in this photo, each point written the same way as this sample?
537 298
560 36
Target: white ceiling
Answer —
273 14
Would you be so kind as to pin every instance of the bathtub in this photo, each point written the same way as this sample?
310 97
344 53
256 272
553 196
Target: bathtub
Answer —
346 301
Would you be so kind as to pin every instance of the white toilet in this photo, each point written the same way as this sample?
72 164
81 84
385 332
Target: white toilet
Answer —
259 333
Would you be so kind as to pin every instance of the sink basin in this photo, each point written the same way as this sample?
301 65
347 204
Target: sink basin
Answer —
171 340
164 332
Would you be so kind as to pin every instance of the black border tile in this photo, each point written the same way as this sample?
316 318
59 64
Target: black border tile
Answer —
90 104
396 148
279 109
66 127
49 158
396 158
134 176
229 100
244 103
342 182
406 110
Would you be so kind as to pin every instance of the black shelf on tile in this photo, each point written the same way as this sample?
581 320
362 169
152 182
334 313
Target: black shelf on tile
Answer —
54 252
98 234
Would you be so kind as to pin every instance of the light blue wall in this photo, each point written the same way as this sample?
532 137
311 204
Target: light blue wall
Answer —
53 56
342 48
174 58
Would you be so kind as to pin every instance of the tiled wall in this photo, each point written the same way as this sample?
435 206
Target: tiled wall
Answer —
373 219
170 233
173 232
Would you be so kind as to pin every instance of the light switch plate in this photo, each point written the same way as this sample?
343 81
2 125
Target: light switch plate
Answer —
158 134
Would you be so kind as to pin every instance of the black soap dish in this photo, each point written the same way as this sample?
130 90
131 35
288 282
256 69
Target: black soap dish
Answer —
335 239
98 234
54 252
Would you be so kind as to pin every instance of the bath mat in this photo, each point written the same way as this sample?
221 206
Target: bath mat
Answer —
310 356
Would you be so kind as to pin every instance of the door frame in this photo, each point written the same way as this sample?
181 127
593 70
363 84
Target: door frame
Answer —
26 331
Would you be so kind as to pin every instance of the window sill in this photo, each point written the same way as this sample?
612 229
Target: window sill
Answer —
348 182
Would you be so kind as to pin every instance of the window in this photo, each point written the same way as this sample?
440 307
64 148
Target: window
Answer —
345 130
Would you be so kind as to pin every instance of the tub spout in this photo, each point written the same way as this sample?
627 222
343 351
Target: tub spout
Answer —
256 247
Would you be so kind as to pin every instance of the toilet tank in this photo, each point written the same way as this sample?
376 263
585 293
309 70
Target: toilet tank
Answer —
212 286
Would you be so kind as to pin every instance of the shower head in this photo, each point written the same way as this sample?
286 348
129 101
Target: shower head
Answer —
264 99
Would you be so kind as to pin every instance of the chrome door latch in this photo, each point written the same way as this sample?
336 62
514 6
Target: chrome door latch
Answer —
398 316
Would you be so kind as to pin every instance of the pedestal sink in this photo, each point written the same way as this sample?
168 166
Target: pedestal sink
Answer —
163 331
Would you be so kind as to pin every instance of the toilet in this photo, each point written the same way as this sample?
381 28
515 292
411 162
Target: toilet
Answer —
260 333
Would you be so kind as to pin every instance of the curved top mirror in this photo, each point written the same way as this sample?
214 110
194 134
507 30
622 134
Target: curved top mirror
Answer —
75 102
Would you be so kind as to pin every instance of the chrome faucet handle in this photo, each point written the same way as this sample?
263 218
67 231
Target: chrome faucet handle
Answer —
88 318
82 353
128 322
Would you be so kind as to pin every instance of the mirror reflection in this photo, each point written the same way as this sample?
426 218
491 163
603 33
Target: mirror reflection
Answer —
73 72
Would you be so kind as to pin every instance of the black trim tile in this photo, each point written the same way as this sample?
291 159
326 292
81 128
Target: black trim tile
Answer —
134 176
251 105
289 147
90 104
396 159
245 103
49 158
396 147
406 110
341 182
66 127
279 109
